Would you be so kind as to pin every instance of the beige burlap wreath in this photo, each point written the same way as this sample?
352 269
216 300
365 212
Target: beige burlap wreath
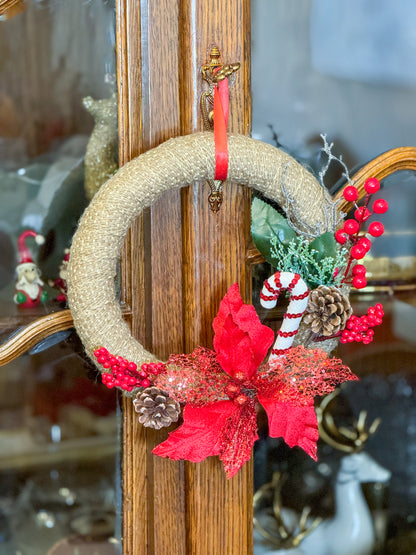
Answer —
174 164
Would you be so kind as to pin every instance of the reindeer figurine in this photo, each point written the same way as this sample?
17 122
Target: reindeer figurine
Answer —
351 530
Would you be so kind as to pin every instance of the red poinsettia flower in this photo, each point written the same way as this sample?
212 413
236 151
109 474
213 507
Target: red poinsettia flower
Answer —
221 388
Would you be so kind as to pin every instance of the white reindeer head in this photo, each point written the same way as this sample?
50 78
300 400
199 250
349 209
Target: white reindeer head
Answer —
363 468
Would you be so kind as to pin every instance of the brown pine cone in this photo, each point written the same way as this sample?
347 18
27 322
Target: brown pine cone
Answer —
156 409
328 311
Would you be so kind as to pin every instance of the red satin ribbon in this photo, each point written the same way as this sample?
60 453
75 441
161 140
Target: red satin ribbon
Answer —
221 105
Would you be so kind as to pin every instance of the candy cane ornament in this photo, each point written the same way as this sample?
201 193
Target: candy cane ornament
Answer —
299 295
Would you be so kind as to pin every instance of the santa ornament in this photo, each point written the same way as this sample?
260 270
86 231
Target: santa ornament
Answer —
29 286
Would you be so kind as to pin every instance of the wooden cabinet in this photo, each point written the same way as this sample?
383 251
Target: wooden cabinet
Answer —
174 507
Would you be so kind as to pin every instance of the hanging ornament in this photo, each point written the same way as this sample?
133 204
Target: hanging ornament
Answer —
220 388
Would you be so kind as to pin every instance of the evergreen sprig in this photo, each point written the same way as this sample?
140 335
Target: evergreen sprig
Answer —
298 256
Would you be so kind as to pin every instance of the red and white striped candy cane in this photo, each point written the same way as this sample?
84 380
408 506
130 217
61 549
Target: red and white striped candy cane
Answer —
299 295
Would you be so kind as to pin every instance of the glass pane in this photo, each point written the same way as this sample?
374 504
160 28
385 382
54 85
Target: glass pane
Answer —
59 467
346 69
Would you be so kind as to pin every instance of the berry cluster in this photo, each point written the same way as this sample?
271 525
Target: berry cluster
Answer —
360 328
350 232
124 374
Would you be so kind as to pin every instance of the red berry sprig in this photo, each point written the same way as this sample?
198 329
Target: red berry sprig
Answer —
350 232
360 329
125 374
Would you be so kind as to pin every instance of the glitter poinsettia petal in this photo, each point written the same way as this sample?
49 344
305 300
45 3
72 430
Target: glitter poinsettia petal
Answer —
296 424
311 372
238 437
200 435
241 341
196 378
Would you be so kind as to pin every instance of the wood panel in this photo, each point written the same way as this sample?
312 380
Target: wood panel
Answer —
169 507
219 513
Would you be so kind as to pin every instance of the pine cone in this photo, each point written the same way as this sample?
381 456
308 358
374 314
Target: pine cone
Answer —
156 409
328 310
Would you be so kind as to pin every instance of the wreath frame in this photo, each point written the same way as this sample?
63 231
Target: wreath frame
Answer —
176 163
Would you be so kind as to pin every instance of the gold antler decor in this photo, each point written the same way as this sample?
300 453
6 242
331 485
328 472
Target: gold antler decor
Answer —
344 439
286 537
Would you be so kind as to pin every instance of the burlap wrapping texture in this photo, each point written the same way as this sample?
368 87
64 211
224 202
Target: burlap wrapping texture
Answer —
174 164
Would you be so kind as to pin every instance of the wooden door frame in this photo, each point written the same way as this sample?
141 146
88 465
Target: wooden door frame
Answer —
175 507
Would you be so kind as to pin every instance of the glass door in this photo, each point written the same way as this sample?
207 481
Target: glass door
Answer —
346 70
58 141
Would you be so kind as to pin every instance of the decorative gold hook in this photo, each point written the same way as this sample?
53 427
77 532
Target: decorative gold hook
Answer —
214 72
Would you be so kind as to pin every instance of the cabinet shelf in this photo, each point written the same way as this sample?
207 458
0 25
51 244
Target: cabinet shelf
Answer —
81 449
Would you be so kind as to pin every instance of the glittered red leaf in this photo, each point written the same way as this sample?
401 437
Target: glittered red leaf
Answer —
200 435
309 371
296 424
196 378
238 437
241 341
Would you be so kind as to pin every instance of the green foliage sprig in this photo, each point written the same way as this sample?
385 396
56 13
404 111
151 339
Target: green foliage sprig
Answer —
316 262
300 257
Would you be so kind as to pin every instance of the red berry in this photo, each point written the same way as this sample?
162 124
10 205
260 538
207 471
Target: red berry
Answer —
351 227
131 381
380 206
359 282
359 270
101 359
142 373
365 243
341 236
376 229
145 383
362 214
232 390
372 185
350 193
97 353
132 366
107 364
241 400
358 252
103 351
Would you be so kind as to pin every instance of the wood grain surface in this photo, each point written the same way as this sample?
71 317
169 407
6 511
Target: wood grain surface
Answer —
178 262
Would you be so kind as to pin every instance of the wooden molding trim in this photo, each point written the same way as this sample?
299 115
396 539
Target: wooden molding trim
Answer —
31 334
397 159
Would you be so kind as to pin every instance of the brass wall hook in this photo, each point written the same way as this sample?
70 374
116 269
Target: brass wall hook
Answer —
213 72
